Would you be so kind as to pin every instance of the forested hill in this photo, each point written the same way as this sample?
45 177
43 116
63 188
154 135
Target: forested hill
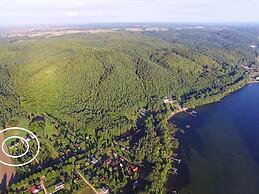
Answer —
93 77
96 100
8 100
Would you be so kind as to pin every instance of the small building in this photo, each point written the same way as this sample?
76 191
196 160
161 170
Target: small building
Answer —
135 169
11 146
104 190
168 101
59 186
28 137
77 180
142 111
108 161
257 78
35 189
94 160
17 142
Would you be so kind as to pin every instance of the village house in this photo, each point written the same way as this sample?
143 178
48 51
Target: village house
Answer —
94 160
142 111
169 101
11 146
104 190
28 137
59 186
35 189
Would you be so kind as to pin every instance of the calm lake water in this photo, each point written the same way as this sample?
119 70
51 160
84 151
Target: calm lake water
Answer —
221 147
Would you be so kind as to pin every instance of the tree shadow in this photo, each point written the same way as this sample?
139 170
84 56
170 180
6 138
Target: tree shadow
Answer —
3 184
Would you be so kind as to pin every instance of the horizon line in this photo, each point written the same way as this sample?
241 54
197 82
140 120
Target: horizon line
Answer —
130 23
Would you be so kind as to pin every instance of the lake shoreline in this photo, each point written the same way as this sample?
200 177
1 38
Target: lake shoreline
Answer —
221 144
184 109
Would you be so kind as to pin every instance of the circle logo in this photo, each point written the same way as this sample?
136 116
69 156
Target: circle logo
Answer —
26 142
15 137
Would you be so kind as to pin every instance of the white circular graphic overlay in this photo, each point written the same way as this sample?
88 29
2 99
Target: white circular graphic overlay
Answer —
15 137
34 137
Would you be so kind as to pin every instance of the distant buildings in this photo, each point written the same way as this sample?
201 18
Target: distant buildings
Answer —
140 29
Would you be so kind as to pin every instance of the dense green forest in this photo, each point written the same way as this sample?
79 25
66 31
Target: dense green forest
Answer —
94 86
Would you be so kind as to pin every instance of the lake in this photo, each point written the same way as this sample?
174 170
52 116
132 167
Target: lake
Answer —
220 148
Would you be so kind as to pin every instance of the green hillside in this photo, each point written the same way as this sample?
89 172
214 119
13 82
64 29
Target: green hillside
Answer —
96 83
112 74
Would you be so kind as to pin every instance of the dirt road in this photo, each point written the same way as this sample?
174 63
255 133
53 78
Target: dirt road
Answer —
6 172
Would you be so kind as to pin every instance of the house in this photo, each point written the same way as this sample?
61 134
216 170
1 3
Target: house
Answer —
135 169
129 170
142 111
169 101
94 160
114 154
59 186
257 78
28 137
11 146
77 180
77 145
166 100
104 190
108 161
35 189
17 142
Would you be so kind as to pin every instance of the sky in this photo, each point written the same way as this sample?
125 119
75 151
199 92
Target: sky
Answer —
26 12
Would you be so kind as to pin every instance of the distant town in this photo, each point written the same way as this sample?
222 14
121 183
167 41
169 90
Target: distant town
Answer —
59 31
52 31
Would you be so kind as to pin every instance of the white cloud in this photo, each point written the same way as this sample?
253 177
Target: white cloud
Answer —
72 13
80 11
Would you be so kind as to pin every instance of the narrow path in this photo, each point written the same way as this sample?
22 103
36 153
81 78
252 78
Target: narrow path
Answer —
89 184
42 179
